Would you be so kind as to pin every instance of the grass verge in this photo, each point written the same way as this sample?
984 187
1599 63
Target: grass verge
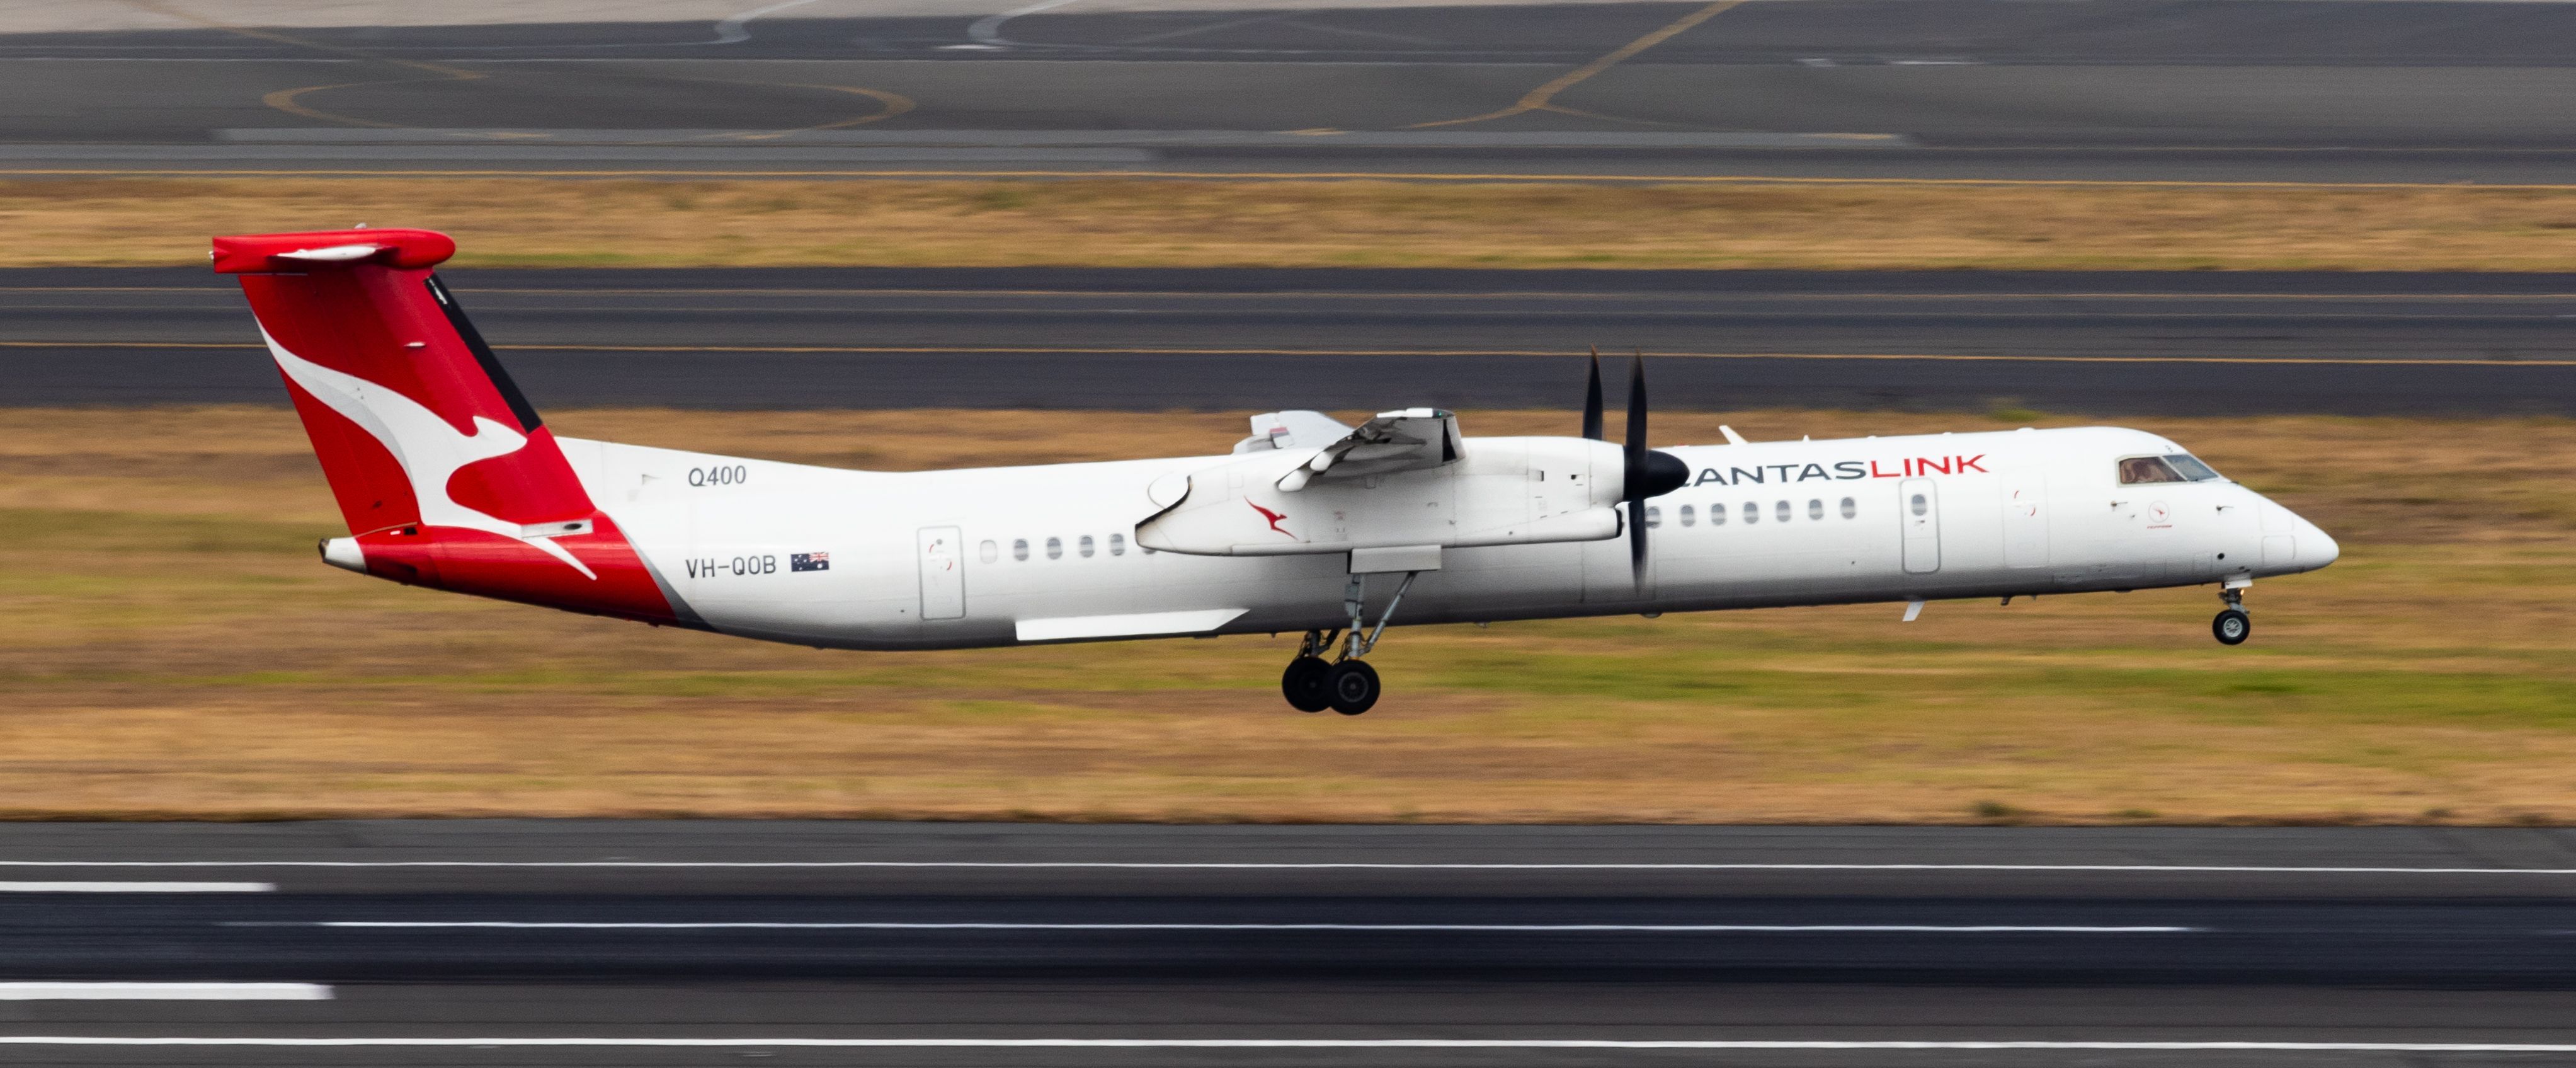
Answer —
170 648
1130 222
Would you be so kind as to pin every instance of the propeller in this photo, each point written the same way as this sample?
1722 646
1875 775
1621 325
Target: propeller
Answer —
1649 473
1592 400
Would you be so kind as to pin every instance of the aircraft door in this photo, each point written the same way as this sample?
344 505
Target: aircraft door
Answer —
2025 500
943 574
1920 505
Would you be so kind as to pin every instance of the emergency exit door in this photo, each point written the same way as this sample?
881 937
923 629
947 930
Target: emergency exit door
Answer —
943 574
1920 505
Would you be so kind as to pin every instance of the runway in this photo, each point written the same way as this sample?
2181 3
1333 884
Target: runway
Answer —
602 942
2406 91
1114 339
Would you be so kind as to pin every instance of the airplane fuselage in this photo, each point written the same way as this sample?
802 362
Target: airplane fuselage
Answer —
1012 555
448 477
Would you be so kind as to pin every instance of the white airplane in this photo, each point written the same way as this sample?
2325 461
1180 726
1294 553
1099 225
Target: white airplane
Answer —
448 479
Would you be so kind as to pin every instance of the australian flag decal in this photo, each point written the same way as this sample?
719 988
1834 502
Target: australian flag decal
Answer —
809 561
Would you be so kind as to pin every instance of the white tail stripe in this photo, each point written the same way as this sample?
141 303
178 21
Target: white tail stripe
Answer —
333 254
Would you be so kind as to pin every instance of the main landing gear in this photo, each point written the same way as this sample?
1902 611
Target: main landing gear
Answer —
1347 684
2233 626
1313 684
1303 682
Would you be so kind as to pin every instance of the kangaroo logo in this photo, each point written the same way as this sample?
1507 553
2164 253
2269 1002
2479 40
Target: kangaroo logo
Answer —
1273 517
426 445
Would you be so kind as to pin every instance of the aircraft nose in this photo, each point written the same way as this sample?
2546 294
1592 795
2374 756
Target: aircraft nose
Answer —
2316 548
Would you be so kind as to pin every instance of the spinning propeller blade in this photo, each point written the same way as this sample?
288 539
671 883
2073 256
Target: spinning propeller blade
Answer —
1635 483
1592 400
1649 473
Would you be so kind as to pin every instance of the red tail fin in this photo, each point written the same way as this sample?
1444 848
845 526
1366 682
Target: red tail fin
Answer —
442 469
370 344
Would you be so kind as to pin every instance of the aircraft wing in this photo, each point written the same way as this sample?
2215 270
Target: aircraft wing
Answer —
1409 440
1292 430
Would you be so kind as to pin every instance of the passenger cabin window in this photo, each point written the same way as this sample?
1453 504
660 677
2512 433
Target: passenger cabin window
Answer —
1055 548
1654 517
2140 470
1085 546
1118 545
1850 508
1781 512
1689 516
1019 548
1752 513
989 551
1717 515
1816 508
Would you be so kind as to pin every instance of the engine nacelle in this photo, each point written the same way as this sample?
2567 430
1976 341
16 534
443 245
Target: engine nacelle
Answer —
1499 491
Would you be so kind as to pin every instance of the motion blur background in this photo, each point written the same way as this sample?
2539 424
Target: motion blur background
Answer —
2330 245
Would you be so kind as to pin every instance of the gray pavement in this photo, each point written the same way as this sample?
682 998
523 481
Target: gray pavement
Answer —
2253 90
2105 343
1355 937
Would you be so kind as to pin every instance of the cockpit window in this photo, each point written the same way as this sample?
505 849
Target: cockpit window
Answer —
2191 467
2137 470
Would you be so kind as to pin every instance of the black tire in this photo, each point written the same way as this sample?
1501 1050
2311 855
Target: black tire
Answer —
2232 627
1352 685
1303 684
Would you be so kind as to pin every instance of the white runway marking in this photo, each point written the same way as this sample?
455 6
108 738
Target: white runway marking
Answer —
1109 865
1304 1043
164 992
94 887
1507 928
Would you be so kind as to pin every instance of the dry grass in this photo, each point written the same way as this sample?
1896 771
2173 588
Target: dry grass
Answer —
170 647
1128 222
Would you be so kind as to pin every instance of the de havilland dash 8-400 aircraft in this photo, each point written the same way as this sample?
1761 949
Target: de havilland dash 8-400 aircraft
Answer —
450 480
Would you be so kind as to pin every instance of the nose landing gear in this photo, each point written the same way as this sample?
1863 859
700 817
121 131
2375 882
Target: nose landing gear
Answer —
2232 626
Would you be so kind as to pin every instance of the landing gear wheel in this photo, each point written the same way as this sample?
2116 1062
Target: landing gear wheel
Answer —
1352 684
2232 626
1303 684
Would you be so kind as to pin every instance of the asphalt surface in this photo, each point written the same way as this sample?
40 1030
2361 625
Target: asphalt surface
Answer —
2251 90
2102 343
1356 937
